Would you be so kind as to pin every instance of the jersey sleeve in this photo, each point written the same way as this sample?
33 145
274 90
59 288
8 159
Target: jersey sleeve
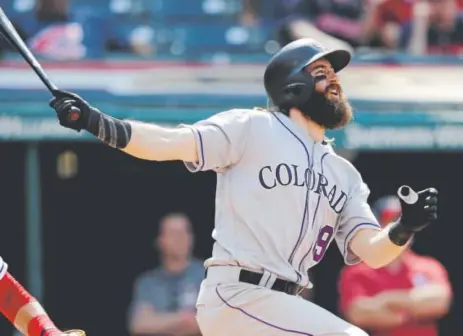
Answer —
352 285
356 216
3 268
221 140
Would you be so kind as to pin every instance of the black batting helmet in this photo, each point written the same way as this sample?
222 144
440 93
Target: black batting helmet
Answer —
286 84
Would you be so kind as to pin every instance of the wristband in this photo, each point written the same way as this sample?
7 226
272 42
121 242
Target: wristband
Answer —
112 131
398 234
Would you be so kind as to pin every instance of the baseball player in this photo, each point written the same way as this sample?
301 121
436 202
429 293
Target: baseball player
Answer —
283 195
24 311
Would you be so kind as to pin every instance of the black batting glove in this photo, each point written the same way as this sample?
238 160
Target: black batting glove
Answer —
72 111
419 210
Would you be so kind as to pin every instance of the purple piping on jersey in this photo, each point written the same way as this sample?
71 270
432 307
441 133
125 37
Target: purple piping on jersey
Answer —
258 319
201 148
302 231
355 229
314 215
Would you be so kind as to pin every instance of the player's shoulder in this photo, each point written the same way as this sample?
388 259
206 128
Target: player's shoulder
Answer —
346 166
237 115
238 112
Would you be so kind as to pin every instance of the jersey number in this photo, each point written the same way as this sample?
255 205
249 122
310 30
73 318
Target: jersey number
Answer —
323 241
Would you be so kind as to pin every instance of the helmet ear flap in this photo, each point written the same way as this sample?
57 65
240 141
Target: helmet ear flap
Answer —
298 90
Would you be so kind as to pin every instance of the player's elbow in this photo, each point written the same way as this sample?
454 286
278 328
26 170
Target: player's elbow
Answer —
374 248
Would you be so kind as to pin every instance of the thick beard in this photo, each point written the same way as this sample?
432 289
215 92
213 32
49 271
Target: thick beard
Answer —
328 113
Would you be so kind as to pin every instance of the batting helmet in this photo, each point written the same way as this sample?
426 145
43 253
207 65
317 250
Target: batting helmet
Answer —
286 84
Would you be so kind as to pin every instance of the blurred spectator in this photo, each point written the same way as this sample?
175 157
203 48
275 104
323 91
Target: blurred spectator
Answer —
405 298
436 27
164 300
54 29
336 23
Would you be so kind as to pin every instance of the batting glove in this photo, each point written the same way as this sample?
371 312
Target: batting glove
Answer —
73 112
419 209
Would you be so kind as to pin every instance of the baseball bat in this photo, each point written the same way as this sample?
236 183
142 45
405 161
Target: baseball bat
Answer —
12 36
407 194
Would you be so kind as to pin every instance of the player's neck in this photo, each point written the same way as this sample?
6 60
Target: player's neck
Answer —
314 130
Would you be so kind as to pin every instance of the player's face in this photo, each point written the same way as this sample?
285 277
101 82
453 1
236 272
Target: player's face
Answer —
325 78
328 106
175 238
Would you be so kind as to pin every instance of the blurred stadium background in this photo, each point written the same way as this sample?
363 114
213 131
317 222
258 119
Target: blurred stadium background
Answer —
79 247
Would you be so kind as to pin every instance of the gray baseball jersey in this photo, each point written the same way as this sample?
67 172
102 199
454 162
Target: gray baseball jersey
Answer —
281 198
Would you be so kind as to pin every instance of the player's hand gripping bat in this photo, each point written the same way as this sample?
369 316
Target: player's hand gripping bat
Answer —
12 36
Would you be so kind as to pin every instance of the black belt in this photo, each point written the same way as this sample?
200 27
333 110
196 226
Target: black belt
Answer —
279 285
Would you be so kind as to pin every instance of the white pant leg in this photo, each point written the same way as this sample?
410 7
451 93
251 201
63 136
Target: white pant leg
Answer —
233 309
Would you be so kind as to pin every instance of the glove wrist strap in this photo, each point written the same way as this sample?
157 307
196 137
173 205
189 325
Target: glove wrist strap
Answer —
114 132
399 234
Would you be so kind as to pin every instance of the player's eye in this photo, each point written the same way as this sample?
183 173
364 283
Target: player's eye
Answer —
319 77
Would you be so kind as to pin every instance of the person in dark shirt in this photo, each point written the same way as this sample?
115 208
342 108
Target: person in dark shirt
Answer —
337 22
164 299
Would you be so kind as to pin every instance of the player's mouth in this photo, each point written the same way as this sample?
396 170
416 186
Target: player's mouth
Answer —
334 91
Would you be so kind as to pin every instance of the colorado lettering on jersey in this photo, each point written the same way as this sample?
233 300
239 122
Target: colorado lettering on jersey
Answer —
293 175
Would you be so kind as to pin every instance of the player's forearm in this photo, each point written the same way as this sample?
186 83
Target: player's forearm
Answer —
142 140
375 248
152 142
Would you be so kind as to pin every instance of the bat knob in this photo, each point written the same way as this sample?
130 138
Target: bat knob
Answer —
74 114
407 194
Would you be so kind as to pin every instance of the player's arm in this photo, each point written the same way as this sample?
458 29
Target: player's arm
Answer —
217 142
379 248
23 310
144 141
156 143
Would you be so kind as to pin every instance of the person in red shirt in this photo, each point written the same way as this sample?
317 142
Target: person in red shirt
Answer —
388 17
404 298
